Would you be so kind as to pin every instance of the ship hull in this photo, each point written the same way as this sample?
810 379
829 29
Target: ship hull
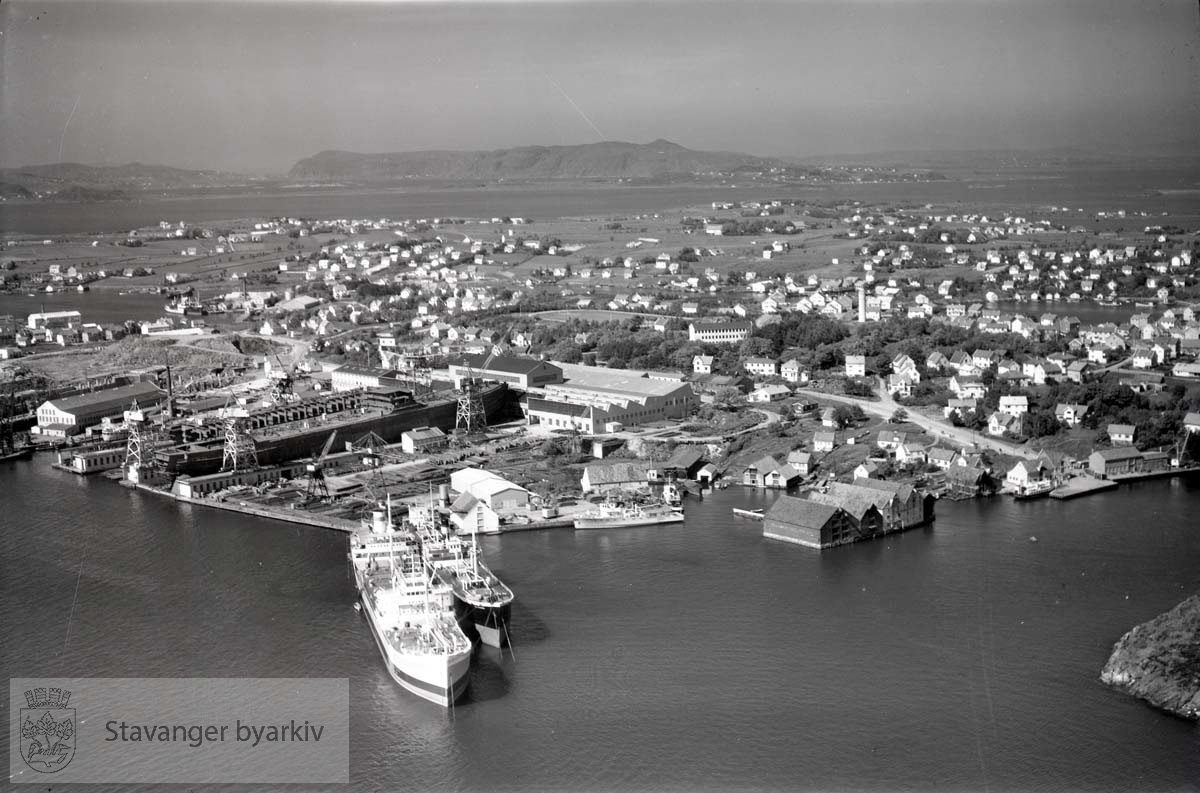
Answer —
273 449
483 622
442 680
487 624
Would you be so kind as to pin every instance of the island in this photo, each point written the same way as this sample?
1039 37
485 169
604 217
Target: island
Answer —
1159 661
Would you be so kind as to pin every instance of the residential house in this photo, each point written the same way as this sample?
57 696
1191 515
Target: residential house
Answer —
801 461
824 440
761 367
1070 414
1003 424
1014 405
769 473
770 393
856 366
942 457
1023 474
702 364
794 372
1121 434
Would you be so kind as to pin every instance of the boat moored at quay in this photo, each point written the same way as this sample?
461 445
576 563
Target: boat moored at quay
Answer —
410 615
482 602
611 515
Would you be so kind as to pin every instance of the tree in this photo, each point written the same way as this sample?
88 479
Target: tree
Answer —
900 416
728 398
843 416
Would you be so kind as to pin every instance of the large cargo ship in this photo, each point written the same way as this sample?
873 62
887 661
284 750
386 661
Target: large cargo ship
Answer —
411 616
293 440
482 602
621 516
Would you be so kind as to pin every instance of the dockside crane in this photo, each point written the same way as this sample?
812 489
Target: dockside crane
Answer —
316 473
240 450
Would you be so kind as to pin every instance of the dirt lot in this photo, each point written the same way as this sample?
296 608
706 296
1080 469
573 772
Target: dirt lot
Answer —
186 357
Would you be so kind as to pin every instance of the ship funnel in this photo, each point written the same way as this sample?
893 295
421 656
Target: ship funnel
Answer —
378 521
444 495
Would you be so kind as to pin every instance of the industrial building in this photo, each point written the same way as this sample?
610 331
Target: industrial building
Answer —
523 373
595 401
422 439
495 491
72 415
350 377
53 319
1126 461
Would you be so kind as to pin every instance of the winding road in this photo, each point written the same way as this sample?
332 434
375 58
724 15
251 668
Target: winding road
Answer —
886 406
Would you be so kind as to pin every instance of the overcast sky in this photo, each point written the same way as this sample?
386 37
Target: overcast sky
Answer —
258 85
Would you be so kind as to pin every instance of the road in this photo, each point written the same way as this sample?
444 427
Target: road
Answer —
886 406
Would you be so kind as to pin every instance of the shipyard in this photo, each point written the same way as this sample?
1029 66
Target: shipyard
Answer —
601 396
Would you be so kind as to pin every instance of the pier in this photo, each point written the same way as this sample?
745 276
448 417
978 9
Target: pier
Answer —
1083 486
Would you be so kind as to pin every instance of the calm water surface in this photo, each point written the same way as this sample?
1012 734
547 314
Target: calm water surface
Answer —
694 656
1152 189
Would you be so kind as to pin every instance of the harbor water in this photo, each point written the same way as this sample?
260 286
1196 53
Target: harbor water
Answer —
690 656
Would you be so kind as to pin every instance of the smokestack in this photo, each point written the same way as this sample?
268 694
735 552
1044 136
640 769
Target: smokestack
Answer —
862 302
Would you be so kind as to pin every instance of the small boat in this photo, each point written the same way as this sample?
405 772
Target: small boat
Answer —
357 605
1034 490
752 514
24 453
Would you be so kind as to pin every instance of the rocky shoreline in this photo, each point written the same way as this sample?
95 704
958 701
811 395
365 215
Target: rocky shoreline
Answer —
1159 661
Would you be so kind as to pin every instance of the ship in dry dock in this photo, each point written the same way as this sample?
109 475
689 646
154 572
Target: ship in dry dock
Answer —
292 430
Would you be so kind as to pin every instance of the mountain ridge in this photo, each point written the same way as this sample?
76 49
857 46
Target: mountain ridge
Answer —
604 160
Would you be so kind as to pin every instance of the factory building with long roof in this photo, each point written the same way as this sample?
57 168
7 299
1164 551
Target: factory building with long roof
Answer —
72 415
595 400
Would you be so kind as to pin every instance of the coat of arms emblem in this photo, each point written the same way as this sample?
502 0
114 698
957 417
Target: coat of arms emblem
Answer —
47 730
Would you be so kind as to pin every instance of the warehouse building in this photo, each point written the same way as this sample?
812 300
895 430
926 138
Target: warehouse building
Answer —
72 415
595 401
517 372
350 377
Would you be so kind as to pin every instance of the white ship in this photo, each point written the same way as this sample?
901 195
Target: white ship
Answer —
482 602
411 617
619 516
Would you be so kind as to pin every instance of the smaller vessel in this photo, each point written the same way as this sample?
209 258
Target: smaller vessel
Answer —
612 515
22 453
1034 490
753 514
187 306
482 602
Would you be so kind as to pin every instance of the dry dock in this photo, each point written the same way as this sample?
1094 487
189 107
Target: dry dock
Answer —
1082 486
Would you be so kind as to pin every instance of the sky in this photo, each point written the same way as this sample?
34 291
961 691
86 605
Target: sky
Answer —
255 86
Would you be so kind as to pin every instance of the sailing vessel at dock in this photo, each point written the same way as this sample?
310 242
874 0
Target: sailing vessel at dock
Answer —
410 615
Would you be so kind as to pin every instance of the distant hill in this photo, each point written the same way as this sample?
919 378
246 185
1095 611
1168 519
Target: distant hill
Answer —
75 181
1000 159
610 160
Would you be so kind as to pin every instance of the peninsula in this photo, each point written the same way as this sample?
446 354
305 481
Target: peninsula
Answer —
1159 661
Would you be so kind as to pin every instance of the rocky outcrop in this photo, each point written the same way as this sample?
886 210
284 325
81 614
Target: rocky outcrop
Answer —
1159 661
